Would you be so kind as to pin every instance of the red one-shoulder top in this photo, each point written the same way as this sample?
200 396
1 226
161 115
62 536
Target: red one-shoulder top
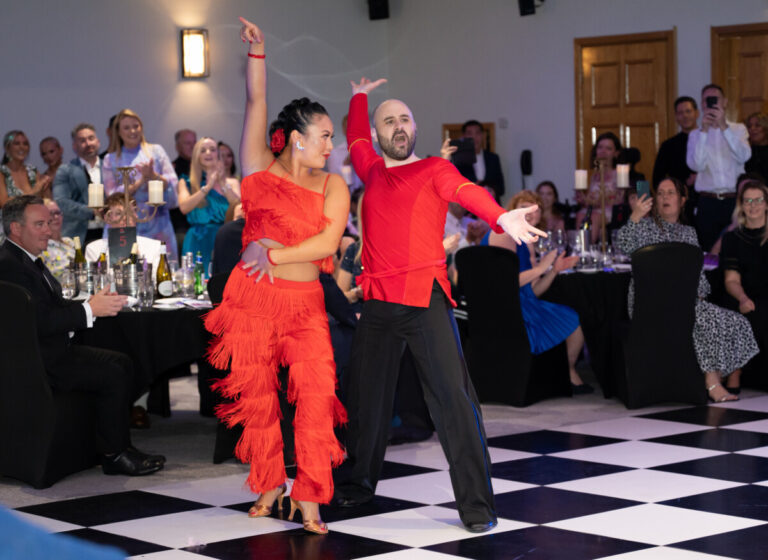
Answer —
279 209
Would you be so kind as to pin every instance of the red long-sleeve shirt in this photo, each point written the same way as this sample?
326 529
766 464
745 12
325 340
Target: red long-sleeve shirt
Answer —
403 216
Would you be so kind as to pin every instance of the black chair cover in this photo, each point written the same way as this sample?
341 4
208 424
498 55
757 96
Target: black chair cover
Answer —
660 360
44 435
498 353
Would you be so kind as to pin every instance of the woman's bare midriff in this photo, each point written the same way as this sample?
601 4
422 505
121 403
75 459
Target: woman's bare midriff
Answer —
297 272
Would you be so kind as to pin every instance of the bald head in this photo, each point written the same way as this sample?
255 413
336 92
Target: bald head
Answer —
395 128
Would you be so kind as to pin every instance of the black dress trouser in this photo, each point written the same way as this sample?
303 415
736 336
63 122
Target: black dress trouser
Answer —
109 377
382 334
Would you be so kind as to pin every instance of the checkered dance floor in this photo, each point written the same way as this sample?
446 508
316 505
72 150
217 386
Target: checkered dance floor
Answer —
689 483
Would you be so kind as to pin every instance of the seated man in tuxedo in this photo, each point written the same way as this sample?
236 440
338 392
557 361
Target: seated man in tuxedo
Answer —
105 374
486 171
115 215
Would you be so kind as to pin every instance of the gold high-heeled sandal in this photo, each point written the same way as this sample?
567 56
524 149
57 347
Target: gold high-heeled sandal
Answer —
261 510
310 525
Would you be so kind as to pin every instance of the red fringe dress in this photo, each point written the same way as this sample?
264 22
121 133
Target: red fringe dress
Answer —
260 326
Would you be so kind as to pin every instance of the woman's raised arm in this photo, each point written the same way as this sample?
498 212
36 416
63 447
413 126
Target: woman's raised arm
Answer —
255 154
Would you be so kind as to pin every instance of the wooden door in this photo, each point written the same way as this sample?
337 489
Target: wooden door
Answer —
740 67
625 84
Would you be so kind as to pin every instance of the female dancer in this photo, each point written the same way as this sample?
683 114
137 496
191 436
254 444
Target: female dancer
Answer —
295 215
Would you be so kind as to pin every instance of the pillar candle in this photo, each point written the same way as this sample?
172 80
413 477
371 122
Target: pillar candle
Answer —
622 175
580 180
155 192
95 195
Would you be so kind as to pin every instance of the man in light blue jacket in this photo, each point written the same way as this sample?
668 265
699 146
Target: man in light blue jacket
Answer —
70 186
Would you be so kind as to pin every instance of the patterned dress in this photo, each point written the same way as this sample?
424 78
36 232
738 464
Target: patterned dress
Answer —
723 339
12 190
58 255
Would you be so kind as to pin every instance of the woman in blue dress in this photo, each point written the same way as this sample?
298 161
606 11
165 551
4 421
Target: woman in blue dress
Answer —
547 324
129 148
205 198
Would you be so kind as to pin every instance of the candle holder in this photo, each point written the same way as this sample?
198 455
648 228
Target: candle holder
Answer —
603 225
141 216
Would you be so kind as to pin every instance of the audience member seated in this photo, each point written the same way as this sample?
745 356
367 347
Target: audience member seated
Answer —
227 157
547 324
204 199
70 186
51 153
551 215
716 152
757 128
486 170
16 177
129 148
744 258
606 151
722 339
105 374
743 180
115 213
61 250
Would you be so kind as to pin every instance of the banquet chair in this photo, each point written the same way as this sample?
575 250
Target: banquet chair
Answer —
659 358
498 353
44 435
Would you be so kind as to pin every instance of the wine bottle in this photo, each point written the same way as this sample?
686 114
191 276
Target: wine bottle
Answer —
79 257
587 225
133 258
163 277
199 285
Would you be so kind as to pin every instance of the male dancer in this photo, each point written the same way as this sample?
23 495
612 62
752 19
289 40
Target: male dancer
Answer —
408 303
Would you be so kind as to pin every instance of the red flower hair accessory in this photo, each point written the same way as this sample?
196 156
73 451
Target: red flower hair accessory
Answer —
277 142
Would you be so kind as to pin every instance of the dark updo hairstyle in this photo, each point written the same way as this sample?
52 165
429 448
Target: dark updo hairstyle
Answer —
297 115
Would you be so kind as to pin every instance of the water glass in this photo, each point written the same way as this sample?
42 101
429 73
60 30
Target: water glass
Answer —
559 241
146 291
68 284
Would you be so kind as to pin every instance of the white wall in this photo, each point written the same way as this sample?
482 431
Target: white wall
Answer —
451 60
84 60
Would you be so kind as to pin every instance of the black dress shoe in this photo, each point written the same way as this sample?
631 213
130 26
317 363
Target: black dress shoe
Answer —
130 462
150 456
481 527
348 502
583 389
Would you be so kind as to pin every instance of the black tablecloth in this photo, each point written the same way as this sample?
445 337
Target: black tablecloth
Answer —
157 340
600 299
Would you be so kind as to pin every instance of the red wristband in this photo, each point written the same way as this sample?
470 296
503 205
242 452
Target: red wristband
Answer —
273 263
257 55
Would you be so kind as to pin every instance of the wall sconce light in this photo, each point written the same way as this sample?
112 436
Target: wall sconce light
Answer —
195 62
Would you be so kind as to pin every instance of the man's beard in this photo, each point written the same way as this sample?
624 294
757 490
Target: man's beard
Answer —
398 153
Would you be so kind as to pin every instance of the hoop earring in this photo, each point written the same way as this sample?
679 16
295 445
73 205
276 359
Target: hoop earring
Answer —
299 146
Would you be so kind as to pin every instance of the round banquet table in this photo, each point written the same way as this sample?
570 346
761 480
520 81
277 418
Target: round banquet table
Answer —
158 341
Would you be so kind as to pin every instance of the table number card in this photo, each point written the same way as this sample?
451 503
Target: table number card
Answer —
121 239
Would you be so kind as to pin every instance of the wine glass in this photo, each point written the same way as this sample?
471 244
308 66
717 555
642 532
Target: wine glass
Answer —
68 284
560 241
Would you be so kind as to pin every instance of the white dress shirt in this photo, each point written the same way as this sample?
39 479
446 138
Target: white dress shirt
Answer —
718 156
148 248
479 167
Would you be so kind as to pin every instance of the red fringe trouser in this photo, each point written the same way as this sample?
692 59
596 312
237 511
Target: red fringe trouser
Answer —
259 327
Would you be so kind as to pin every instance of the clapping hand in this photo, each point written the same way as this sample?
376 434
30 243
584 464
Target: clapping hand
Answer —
250 32
517 227
366 85
642 207
451 243
256 260
564 263
147 170
746 306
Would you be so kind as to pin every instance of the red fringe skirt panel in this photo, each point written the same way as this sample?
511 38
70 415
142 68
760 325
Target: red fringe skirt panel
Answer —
257 328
